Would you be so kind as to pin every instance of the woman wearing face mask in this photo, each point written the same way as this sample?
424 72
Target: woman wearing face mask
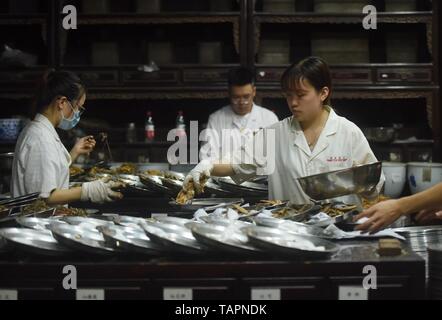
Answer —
41 162
313 140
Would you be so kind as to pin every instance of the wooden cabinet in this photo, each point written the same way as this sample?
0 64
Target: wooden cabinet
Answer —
238 30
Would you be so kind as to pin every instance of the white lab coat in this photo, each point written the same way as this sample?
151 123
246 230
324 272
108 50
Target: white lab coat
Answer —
41 162
240 129
341 145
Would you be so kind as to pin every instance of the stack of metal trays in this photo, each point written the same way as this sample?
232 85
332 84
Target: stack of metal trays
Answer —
129 239
246 189
18 201
12 207
435 271
134 187
291 227
155 183
283 243
225 236
208 204
174 185
213 188
173 238
419 238
127 221
37 223
93 222
26 210
82 238
39 242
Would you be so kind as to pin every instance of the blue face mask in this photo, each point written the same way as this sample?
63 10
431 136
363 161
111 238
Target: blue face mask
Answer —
68 124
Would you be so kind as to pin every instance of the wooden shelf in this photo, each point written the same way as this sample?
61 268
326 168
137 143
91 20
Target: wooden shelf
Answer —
350 18
378 74
25 19
159 18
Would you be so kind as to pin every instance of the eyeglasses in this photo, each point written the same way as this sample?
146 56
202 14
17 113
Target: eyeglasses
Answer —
241 100
80 109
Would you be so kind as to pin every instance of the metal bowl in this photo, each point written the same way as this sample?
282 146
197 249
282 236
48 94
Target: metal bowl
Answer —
380 134
355 180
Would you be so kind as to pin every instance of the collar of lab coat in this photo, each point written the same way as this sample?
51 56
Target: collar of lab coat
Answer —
47 124
329 130
253 116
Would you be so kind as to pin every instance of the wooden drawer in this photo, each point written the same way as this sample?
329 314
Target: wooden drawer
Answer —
208 76
340 76
20 77
99 78
283 288
109 290
195 289
351 76
394 287
269 74
150 78
28 290
404 75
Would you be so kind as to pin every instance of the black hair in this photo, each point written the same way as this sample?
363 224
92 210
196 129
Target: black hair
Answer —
241 76
313 69
56 84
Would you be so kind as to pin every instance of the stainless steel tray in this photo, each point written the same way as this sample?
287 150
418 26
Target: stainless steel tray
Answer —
20 200
129 239
416 229
211 187
178 175
281 242
80 238
182 222
297 212
127 221
244 189
85 220
154 183
134 186
208 204
291 226
33 241
173 238
37 223
174 185
226 238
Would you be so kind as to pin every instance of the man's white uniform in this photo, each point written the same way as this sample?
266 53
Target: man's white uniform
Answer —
341 145
237 129
41 161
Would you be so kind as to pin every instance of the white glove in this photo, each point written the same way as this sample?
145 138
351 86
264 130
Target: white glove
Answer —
100 191
204 168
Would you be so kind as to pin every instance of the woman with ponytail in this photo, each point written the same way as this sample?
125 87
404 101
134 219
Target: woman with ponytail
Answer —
41 162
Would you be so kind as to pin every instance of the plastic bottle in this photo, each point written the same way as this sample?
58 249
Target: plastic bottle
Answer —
131 135
149 128
180 125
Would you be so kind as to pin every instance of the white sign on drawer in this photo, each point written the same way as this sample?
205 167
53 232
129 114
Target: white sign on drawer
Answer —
8 295
177 294
352 293
90 294
265 294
